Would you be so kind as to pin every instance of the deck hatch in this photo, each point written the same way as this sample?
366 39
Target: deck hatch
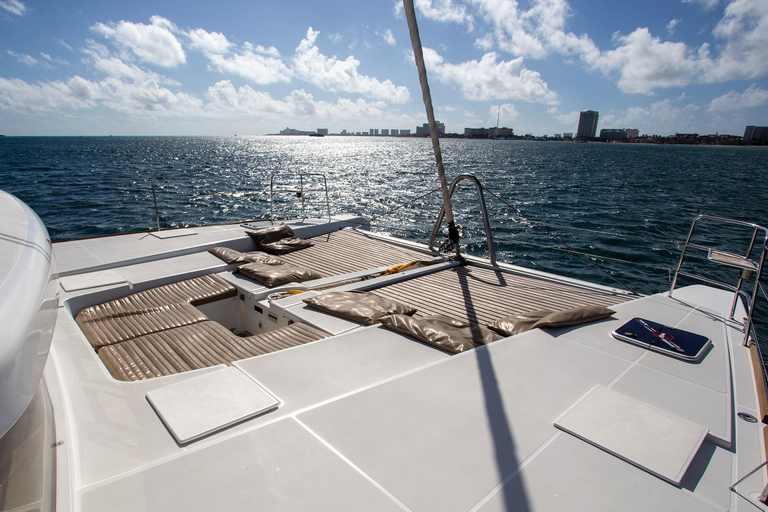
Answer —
203 405
652 439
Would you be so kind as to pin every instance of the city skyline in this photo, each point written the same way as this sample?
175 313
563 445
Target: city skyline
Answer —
175 68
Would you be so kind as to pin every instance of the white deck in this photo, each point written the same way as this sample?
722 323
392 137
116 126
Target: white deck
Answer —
374 420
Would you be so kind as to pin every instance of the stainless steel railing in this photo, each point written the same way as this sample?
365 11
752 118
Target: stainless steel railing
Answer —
483 211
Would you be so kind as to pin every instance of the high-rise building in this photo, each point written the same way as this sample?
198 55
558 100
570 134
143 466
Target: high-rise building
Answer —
424 129
322 131
756 133
385 131
587 124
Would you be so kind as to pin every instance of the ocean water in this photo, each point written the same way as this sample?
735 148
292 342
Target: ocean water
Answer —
625 207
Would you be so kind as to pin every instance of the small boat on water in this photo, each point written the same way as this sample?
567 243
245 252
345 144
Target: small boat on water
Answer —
315 365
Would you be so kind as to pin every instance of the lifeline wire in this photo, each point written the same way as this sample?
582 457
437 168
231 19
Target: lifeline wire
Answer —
536 225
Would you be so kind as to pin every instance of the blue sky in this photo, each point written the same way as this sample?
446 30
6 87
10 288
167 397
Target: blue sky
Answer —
194 68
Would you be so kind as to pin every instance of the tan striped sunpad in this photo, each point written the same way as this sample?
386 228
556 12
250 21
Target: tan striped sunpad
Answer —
152 310
196 346
347 251
480 295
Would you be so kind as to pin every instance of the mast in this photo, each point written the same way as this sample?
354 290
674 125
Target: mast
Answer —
410 15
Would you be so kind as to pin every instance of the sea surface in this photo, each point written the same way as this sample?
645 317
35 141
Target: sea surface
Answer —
625 207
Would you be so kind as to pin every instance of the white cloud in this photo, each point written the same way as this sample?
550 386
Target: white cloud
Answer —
14 7
645 62
488 79
65 45
444 11
224 100
660 118
332 74
706 4
253 66
24 58
744 28
387 37
754 96
335 38
570 119
210 43
674 22
154 43
506 114
20 96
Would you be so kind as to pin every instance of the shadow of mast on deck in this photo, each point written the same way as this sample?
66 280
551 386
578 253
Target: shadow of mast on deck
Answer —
504 446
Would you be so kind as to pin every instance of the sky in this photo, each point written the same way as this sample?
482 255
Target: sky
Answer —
187 67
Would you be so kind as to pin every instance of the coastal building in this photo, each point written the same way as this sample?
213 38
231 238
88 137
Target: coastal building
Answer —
501 133
567 135
476 133
394 132
632 133
292 131
385 131
405 131
322 131
424 129
613 134
756 133
587 124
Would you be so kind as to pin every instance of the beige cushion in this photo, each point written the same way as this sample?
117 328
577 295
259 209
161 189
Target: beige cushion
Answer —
232 256
442 332
363 307
277 239
574 316
515 324
196 346
271 275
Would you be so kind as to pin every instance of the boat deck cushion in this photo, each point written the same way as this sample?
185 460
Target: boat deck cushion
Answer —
117 326
363 307
275 274
543 319
232 256
278 239
195 346
445 333
151 310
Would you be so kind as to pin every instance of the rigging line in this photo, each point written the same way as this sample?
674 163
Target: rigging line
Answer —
585 254
536 225
376 217
620 235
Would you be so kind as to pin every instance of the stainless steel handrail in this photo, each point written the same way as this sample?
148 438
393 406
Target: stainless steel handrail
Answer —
298 191
746 268
483 210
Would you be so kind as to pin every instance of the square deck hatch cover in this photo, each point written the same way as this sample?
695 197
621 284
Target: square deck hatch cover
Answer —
203 405
652 439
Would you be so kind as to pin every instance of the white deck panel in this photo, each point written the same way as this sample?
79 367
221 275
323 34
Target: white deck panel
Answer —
316 372
443 437
712 372
278 467
598 334
697 404
209 403
565 475
655 440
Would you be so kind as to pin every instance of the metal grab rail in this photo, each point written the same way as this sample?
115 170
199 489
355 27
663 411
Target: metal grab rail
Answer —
483 210
748 267
300 191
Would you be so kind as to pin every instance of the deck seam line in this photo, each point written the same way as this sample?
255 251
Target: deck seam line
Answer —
352 465
496 488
